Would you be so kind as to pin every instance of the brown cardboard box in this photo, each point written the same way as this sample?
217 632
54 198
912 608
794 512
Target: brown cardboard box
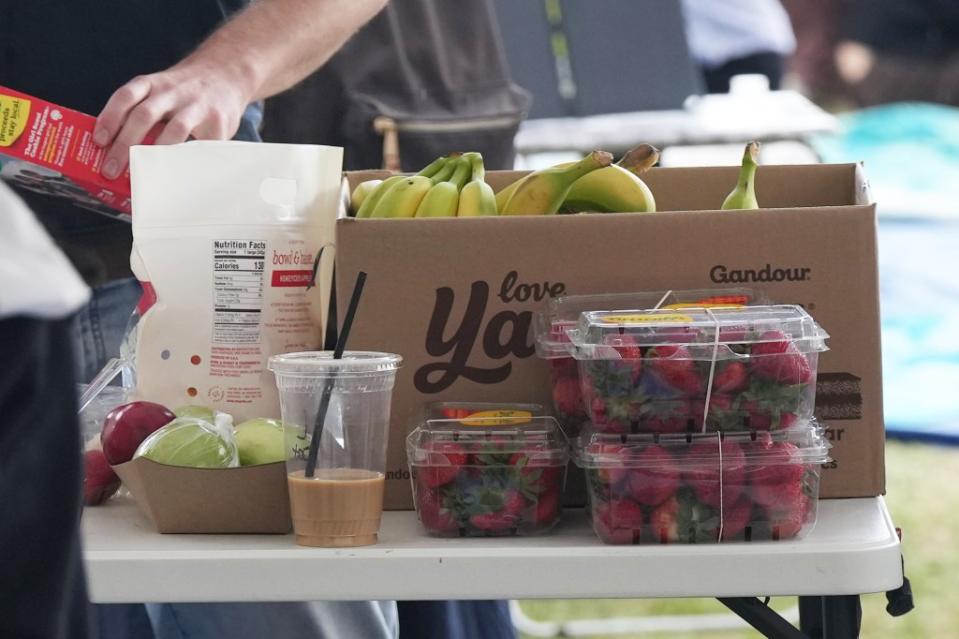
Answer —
455 297
249 499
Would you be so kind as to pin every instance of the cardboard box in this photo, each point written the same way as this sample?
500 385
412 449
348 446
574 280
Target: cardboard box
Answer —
248 499
49 149
455 297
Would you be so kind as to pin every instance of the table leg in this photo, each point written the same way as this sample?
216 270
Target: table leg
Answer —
841 617
810 617
762 617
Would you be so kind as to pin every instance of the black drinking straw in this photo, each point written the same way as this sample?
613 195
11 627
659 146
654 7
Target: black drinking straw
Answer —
331 380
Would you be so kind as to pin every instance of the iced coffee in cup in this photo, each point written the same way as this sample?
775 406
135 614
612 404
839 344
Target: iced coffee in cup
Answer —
344 405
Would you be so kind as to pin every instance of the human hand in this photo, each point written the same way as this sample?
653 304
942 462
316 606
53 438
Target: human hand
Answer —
187 100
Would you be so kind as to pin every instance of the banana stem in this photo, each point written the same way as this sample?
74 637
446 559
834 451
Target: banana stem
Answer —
476 163
640 159
462 173
748 172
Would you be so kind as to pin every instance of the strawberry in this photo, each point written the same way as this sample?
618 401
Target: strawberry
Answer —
655 476
432 514
625 513
681 518
493 522
788 514
567 397
443 463
703 474
761 417
546 509
672 365
454 413
777 358
630 353
735 518
780 464
730 377
513 502
612 469
666 416
563 367
724 413
605 528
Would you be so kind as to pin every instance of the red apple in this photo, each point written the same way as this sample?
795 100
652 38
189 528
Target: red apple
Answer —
99 480
128 425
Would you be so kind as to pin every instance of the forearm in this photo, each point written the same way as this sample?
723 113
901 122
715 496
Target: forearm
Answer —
274 44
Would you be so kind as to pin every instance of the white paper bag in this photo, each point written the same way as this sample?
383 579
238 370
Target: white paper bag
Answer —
225 237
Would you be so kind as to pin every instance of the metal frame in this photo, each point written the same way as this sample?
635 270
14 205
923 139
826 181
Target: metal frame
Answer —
827 617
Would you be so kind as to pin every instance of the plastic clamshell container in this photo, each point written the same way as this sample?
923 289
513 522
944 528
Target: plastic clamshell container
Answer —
562 313
703 488
651 371
488 476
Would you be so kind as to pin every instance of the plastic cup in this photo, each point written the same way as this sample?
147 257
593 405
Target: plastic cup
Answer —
342 502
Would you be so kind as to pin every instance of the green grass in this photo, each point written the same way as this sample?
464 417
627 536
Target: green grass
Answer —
923 496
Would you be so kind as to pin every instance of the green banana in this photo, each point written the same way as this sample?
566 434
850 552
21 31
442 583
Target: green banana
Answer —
373 199
542 192
744 195
446 170
443 198
477 197
361 192
403 198
616 188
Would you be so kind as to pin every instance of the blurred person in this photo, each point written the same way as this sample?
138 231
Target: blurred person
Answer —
896 51
41 567
735 37
817 26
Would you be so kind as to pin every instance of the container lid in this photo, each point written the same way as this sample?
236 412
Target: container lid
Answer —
705 333
804 443
322 364
446 441
459 410
562 313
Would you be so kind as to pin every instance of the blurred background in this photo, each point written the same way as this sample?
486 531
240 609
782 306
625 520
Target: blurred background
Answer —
815 81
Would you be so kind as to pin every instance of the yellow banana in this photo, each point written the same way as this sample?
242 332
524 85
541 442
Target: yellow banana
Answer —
443 198
543 191
403 198
504 194
744 195
373 199
361 192
477 197
617 188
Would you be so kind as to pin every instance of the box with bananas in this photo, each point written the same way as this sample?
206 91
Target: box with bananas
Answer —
455 186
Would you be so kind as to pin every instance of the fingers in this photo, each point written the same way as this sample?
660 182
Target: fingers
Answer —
115 112
138 123
180 127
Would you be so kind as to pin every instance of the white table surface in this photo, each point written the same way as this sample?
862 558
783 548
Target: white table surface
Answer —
853 549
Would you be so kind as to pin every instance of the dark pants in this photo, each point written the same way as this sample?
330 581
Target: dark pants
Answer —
455 620
767 64
41 570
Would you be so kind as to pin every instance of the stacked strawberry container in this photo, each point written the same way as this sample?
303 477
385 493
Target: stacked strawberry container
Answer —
701 422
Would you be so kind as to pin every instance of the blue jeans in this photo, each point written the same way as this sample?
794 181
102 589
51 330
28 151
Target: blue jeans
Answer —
98 331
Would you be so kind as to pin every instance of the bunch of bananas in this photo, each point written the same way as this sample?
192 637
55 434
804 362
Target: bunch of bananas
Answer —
451 186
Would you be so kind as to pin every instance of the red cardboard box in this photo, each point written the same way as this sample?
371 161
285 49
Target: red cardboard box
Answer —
49 149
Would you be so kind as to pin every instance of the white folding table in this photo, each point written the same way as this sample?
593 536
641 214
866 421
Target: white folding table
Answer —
854 549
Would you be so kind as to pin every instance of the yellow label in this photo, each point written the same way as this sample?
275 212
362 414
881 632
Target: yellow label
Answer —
682 305
14 113
639 319
498 418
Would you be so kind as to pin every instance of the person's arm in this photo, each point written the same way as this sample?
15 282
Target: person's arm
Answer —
265 49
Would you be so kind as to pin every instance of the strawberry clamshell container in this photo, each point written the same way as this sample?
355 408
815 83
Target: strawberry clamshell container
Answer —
562 313
703 487
697 369
488 475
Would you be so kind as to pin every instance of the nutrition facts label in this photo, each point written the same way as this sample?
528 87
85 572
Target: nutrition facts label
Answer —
238 268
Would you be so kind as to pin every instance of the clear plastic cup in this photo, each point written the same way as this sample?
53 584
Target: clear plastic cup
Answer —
342 502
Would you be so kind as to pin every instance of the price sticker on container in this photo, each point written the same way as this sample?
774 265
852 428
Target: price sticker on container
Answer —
646 319
498 418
